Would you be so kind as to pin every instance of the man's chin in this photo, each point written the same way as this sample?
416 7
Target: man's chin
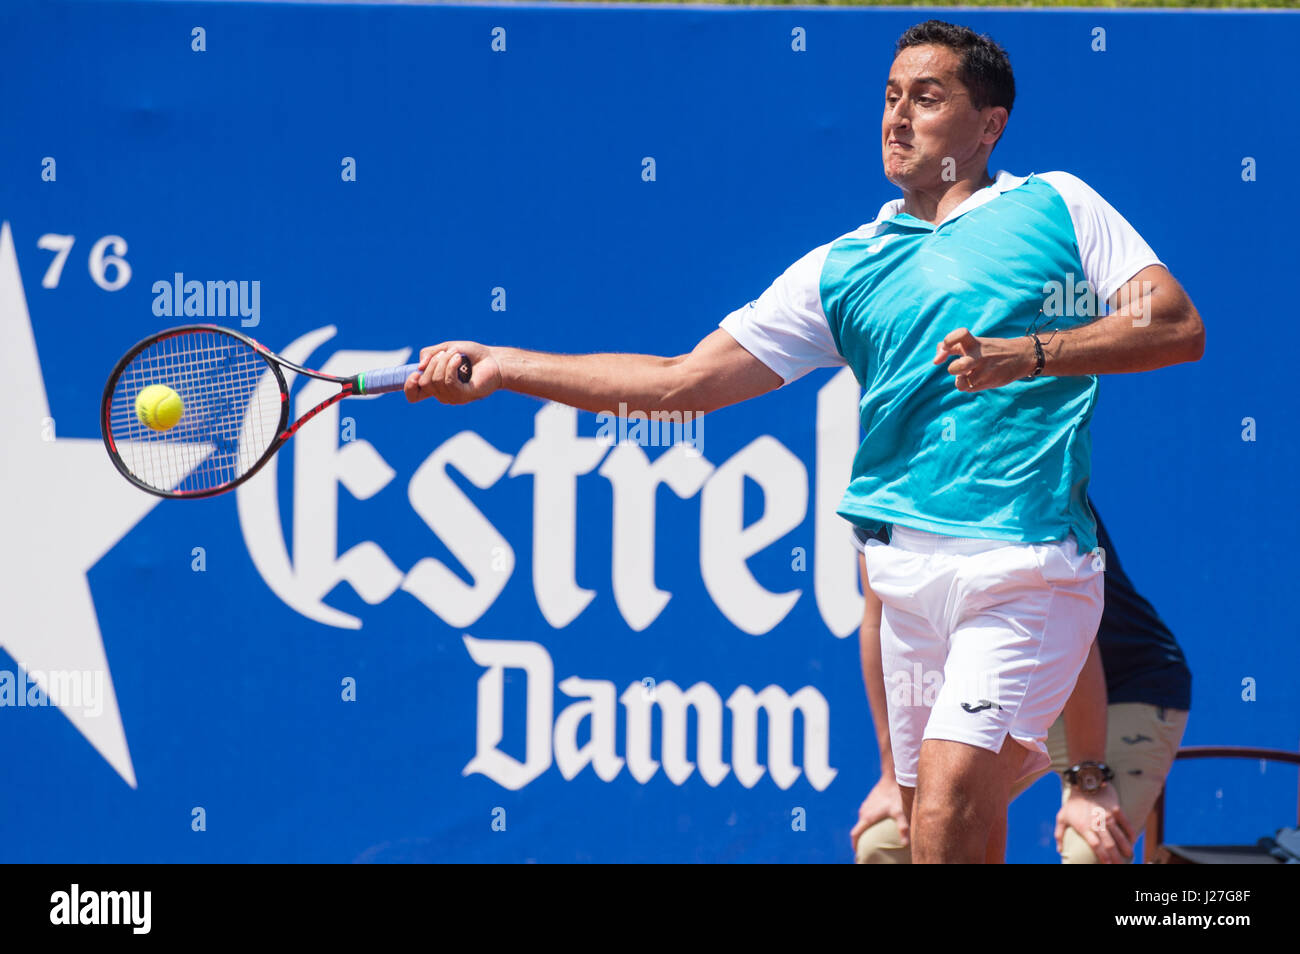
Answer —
899 177
913 175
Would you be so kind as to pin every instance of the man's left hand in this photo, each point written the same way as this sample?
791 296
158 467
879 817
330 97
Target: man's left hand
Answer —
984 363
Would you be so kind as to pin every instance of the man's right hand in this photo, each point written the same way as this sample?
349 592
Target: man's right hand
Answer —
437 377
883 801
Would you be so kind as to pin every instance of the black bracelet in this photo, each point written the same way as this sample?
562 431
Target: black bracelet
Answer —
1039 358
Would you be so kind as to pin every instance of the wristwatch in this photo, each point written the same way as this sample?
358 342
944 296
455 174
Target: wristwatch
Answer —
1089 777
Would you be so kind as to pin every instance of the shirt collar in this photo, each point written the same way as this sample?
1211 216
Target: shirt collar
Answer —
1003 181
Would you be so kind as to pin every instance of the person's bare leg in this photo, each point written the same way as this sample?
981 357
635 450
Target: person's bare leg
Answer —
995 853
961 800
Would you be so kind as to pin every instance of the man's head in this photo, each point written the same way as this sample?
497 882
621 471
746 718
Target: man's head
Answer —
948 97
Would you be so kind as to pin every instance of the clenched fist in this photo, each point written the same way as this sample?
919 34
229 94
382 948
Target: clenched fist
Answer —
440 374
984 363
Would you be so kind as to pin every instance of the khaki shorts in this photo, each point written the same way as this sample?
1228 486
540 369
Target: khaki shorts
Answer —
1141 741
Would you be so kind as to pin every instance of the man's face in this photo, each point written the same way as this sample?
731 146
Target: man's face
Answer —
928 117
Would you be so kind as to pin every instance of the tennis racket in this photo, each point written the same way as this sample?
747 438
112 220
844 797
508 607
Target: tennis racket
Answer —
235 408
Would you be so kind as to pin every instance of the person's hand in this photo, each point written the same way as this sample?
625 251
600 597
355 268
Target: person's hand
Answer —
984 363
1100 822
438 378
883 801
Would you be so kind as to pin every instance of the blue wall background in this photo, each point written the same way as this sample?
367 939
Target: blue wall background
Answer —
522 169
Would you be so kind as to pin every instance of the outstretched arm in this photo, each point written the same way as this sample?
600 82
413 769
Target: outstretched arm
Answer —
718 372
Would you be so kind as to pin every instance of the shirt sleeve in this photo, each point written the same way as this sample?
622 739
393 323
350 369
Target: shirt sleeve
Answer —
1111 249
785 327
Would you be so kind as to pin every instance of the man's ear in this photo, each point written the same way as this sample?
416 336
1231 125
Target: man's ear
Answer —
995 124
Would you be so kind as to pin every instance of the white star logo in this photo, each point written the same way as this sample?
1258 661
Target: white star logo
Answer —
62 507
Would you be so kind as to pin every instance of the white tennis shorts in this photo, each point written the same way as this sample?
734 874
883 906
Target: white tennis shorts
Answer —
980 639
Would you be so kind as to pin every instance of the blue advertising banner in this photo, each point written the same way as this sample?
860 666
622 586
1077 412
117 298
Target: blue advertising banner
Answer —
512 631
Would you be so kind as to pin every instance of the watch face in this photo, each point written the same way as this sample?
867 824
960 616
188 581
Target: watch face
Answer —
1090 778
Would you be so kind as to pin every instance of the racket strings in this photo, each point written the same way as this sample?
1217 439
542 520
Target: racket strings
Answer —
232 410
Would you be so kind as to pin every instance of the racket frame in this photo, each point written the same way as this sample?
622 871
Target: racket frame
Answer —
349 387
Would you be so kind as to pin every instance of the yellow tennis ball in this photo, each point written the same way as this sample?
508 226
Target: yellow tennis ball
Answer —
159 407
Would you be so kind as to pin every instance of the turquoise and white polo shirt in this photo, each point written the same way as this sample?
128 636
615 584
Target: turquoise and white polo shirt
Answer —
1011 463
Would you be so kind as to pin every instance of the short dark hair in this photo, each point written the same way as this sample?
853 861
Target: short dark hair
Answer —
985 66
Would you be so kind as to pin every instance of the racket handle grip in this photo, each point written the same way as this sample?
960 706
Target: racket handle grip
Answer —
384 380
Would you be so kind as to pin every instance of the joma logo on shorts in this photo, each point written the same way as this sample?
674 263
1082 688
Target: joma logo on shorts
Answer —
983 704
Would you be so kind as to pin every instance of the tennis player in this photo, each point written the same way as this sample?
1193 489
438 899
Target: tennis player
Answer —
1112 746
976 450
